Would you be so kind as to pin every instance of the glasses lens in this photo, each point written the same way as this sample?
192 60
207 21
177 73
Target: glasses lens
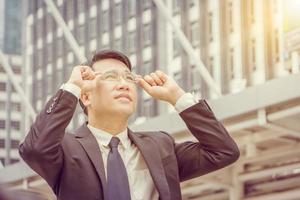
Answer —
110 76
130 77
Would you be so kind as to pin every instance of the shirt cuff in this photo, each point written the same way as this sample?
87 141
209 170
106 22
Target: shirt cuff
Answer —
185 101
72 88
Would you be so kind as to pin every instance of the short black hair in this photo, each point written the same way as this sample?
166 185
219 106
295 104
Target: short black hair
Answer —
105 54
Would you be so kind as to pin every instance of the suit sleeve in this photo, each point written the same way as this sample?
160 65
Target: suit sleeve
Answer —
215 148
41 148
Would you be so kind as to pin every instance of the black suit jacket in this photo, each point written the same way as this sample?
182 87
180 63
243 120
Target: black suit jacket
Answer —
72 164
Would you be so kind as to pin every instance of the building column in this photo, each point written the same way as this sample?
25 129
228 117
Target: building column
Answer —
256 43
295 62
234 51
278 39
8 111
214 40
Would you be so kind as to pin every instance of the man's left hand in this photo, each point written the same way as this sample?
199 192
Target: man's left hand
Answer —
161 87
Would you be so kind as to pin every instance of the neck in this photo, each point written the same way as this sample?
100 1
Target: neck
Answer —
111 124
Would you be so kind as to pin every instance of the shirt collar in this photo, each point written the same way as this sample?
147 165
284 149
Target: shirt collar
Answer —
104 137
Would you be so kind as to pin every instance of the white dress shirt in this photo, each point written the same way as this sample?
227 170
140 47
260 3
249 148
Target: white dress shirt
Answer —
140 181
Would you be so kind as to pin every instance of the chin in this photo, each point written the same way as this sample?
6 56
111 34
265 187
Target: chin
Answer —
124 109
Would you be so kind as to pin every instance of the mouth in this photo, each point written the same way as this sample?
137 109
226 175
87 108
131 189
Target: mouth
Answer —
123 96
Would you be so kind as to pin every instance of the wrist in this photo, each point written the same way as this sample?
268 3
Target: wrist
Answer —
76 83
176 95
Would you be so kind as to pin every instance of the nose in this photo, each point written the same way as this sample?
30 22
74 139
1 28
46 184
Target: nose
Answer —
122 84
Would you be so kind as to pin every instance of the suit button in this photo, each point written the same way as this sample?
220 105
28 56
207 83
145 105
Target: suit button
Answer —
49 110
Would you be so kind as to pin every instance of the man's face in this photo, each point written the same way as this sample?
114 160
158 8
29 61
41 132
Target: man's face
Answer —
112 96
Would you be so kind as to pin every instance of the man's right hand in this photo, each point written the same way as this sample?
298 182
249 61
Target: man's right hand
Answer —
83 77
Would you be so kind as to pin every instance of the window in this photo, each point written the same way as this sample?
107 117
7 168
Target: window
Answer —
16 106
118 13
211 62
39 28
192 3
15 144
147 35
132 42
147 3
2 124
92 2
147 69
196 80
15 125
176 47
93 28
230 17
2 86
210 26
195 34
70 10
2 145
59 77
253 44
2 105
277 45
176 5
147 108
81 35
49 53
178 78
39 90
118 45
49 22
49 84
275 6
252 11
39 58
105 21
59 47
81 6
231 65
131 7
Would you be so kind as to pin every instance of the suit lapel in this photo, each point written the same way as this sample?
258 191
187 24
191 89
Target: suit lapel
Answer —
90 145
152 158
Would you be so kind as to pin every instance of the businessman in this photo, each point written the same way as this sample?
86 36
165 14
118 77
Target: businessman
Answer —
103 158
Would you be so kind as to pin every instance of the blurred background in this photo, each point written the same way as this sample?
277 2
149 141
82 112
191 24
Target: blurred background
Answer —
241 55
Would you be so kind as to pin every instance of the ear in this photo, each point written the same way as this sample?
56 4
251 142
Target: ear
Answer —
85 98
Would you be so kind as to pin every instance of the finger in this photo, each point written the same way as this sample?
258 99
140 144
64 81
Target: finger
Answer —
144 84
156 79
83 68
90 77
85 76
161 75
88 74
150 80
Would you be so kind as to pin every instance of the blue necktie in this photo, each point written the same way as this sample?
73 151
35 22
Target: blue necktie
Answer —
117 179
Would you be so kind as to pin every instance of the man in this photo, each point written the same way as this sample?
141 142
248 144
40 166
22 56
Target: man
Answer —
103 159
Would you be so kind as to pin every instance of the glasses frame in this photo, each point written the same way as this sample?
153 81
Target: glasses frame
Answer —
123 75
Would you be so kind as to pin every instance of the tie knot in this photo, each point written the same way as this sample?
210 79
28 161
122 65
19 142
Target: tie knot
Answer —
114 142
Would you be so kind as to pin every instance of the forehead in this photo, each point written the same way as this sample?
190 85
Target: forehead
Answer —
109 64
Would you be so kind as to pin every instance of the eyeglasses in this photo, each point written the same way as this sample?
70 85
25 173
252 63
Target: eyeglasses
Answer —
115 76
